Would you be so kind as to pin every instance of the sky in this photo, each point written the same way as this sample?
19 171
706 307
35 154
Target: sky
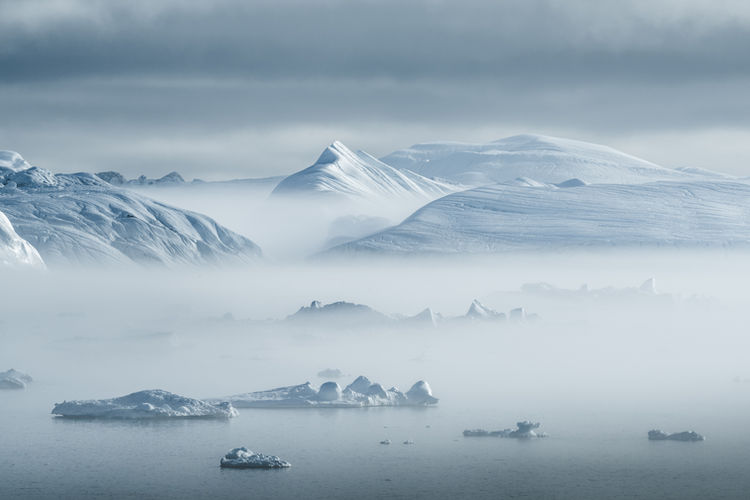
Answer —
231 88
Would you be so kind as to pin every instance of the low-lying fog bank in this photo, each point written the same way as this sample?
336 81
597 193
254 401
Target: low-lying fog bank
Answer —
206 333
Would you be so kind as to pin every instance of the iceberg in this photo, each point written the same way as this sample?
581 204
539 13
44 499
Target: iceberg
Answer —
145 404
360 393
242 458
339 313
479 311
659 435
13 379
524 430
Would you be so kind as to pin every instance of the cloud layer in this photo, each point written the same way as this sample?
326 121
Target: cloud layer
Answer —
233 88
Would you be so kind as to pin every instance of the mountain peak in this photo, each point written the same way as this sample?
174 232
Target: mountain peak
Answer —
335 152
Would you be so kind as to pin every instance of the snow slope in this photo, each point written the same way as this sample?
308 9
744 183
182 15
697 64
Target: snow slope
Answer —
14 250
542 158
505 218
79 218
342 172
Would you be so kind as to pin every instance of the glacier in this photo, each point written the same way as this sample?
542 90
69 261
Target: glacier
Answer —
242 458
503 218
145 404
341 172
360 393
13 379
81 219
542 158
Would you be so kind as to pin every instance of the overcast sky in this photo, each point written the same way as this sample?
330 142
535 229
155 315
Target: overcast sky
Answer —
254 88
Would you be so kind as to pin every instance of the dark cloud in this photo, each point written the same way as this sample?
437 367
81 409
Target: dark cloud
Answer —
255 88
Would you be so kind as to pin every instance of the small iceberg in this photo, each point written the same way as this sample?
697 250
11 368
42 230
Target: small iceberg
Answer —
523 430
360 393
13 379
242 458
659 435
145 404
385 441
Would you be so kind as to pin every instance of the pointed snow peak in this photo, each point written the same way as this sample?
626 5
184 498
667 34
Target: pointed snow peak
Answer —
335 152
13 161
316 304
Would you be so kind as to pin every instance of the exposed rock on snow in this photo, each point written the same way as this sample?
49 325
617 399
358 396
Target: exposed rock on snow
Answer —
659 435
385 441
242 458
542 158
14 250
493 219
13 379
79 218
360 393
524 430
341 172
145 404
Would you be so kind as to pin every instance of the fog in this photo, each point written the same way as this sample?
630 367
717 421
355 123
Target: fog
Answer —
601 365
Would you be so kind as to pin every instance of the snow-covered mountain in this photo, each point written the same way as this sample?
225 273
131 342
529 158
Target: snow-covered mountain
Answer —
14 250
544 159
79 218
499 218
343 173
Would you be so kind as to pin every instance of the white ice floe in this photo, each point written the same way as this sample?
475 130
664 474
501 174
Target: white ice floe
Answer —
659 435
523 430
145 404
13 379
242 458
360 393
